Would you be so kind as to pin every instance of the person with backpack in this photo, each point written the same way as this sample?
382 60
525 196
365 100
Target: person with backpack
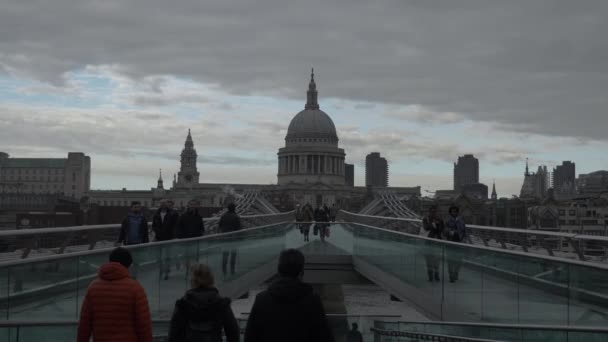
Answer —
289 310
432 224
456 231
202 314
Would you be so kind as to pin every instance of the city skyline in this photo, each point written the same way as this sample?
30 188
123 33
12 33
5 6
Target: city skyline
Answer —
422 102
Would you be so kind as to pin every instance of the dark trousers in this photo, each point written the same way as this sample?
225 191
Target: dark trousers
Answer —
225 255
432 266
455 257
454 268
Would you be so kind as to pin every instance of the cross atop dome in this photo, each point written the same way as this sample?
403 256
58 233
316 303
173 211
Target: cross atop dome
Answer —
311 94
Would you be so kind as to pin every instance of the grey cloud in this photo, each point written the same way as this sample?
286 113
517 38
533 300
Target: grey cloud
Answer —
425 115
167 100
365 106
538 66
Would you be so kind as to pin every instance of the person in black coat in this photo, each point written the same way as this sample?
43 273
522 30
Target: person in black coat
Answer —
433 224
229 222
201 314
288 310
321 216
190 224
164 223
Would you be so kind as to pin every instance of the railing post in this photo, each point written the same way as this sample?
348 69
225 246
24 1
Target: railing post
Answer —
577 248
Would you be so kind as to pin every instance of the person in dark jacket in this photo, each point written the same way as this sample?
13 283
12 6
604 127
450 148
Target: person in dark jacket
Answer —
288 310
432 224
201 314
115 307
354 335
190 224
164 223
134 228
456 231
229 222
333 212
321 217
309 216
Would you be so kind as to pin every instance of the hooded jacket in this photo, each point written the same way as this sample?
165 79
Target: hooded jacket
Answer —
203 309
115 308
288 311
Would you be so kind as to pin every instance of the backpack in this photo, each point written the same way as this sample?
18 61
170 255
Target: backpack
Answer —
203 331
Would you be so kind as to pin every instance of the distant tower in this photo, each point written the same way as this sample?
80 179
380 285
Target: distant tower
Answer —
159 185
494 195
174 180
527 169
188 174
376 170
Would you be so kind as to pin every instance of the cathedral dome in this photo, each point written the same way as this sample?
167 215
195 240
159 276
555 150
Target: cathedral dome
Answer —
312 124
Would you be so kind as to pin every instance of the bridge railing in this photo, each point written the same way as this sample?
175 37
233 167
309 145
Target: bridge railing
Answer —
497 331
565 245
58 283
457 281
66 330
24 243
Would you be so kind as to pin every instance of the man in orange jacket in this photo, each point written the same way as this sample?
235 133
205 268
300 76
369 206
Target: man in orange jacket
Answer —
115 308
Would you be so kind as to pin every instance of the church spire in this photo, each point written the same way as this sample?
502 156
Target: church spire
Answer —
311 95
494 195
160 179
527 169
189 142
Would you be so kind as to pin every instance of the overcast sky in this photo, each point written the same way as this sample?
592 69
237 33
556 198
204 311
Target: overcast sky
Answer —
422 82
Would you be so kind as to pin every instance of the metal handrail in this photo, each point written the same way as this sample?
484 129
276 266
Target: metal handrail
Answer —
428 336
141 245
577 242
12 323
36 231
499 250
573 328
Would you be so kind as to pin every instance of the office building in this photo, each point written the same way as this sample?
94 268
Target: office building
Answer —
376 170
349 170
466 171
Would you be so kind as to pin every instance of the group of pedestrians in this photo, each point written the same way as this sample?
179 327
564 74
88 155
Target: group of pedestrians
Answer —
321 216
115 308
453 229
168 224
